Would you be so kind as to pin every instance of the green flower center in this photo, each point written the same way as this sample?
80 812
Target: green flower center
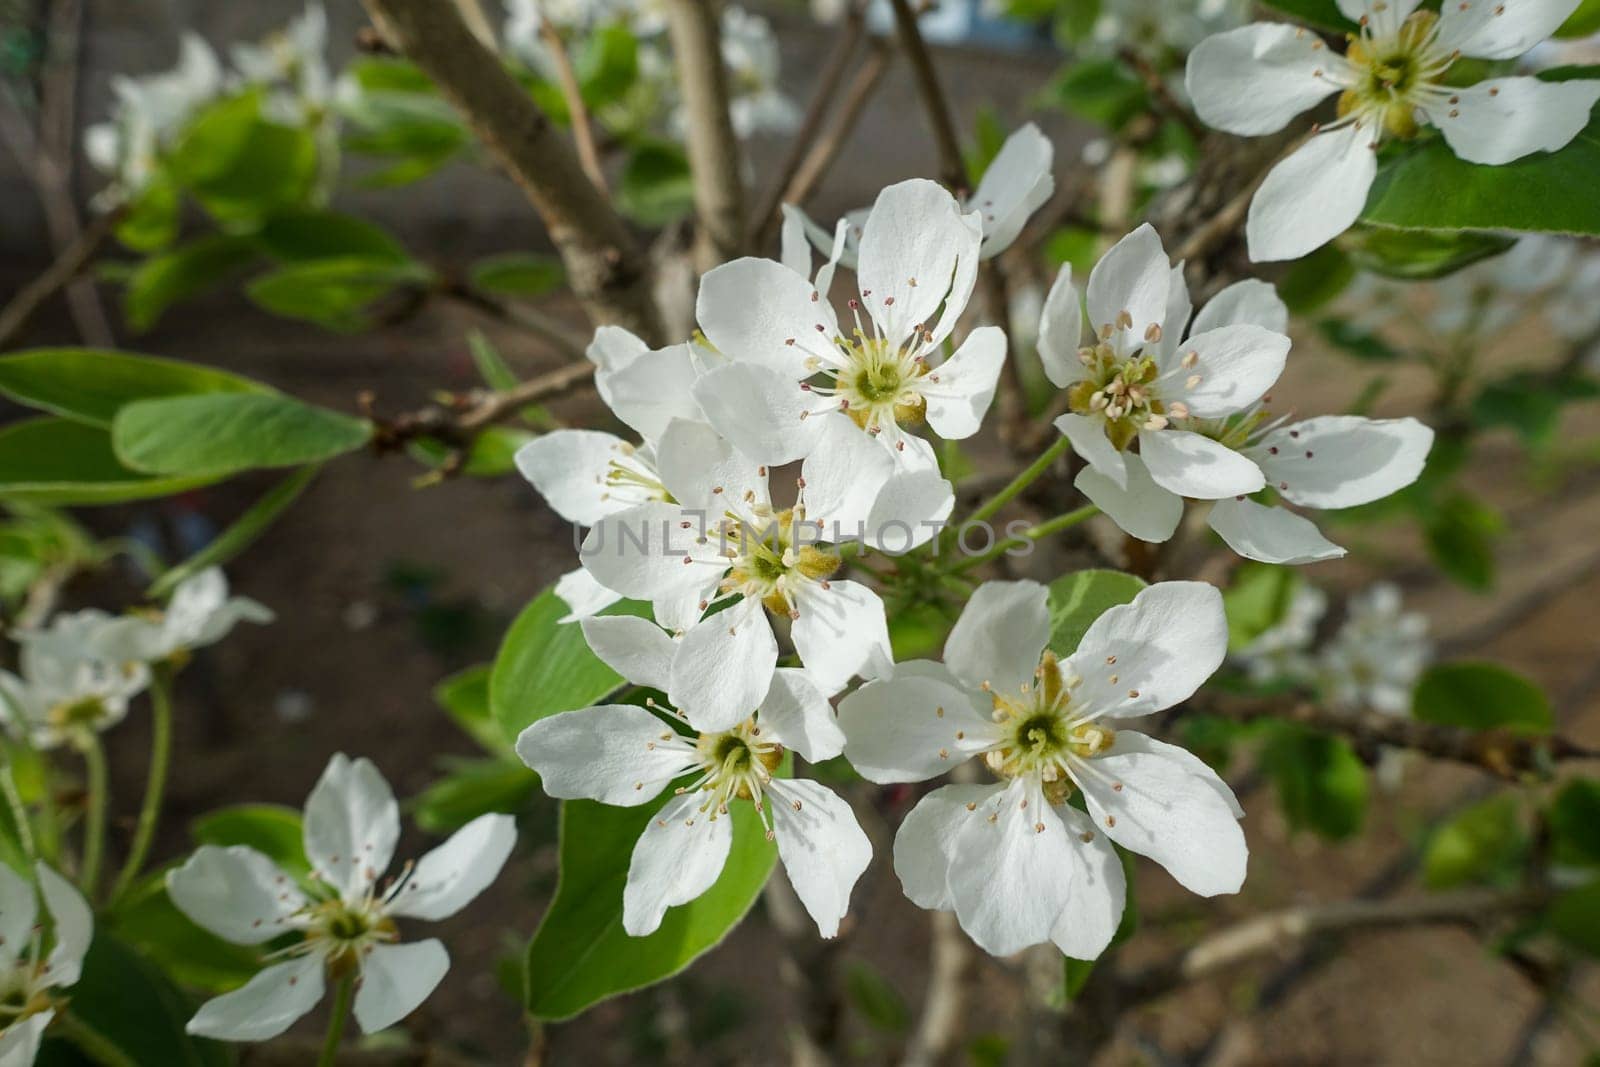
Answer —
1043 732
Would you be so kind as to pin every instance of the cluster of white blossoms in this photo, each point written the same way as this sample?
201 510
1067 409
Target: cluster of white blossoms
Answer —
1192 396
1395 77
33 980
342 917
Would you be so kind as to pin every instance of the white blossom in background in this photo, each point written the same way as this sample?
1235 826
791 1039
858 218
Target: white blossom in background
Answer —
66 690
720 534
31 980
293 64
1198 412
790 361
344 914
1281 652
1160 30
1017 864
756 102
147 114
626 755
200 613
1377 655
1391 82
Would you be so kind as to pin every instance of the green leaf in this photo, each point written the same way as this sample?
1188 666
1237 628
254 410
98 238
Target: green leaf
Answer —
472 788
307 234
1483 844
465 696
1575 918
241 166
879 1003
92 384
58 461
150 222
544 666
131 1005
1461 532
224 433
1430 188
148 921
581 955
492 367
1323 14
1257 600
185 271
606 64
1077 599
1075 972
1101 90
1529 403
1481 696
274 830
334 293
1357 341
1574 819
1415 255
1321 782
655 187
1583 21
241 533
519 274
1314 280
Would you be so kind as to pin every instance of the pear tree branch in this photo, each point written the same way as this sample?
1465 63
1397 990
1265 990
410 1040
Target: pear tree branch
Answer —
696 37
952 169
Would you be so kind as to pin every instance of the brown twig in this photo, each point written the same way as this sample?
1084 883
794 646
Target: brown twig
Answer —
577 110
829 81
460 418
605 267
952 169
1165 103
939 1025
547 327
811 171
67 266
696 35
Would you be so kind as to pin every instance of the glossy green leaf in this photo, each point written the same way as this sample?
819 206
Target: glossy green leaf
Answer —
1481 696
1321 782
274 830
1077 599
92 384
59 461
519 274
471 788
465 696
1314 280
1461 531
148 921
224 433
1574 819
1414 255
581 955
607 64
655 187
1584 21
307 234
1256 600
242 166
1483 844
1323 14
544 666
1103 91
183 272
241 533
336 294
150 221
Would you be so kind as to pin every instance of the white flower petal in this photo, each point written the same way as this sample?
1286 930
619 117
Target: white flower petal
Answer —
1142 509
569 467
449 877
843 475
1313 196
1099 890
1251 302
1167 811
19 910
1011 875
635 648
612 349
1089 441
74 926
265 1006
1502 119
395 980
723 667
1000 635
1270 534
582 595
1179 308
614 753
822 847
646 552
912 506
237 893
1060 330
1134 276
678 857
1152 652
1256 78
654 389
703 471
19 1042
763 411
841 629
1198 467
1017 183
896 729
960 390
794 247
925 844
1339 461
918 252
1499 29
761 311
1233 368
351 825
797 715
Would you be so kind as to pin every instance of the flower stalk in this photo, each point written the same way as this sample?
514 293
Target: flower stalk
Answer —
155 780
343 994
94 828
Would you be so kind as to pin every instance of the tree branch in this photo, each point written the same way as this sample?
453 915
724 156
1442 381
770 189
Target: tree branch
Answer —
810 172
68 266
460 418
952 169
606 268
577 110
713 149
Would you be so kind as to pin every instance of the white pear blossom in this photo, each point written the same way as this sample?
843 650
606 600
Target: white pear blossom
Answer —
1141 381
148 113
720 534
1013 859
1377 655
293 62
200 613
1281 652
66 690
31 978
625 755
756 102
1391 80
345 917
791 362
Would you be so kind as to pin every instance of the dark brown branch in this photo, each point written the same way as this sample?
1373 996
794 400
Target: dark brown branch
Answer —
607 270
1165 103
68 265
824 152
577 110
458 420
696 37
952 170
